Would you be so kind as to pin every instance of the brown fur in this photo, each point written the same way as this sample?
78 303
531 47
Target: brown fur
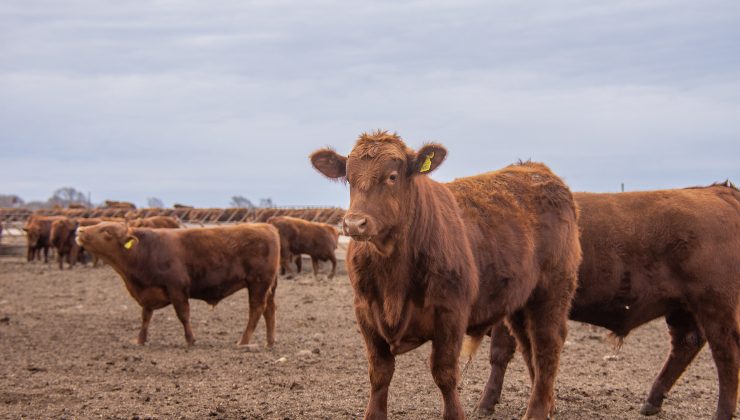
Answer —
111 204
38 236
204 263
431 261
62 238
671 254
298 236
156 222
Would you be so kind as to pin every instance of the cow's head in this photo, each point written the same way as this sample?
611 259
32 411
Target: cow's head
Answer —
381 172
107 239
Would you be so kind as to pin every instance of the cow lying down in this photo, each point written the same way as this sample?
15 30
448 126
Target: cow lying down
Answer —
163 266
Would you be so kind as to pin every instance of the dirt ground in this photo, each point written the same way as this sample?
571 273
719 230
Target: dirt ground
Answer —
64 340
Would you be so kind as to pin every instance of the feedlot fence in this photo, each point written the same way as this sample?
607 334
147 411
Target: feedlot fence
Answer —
13 219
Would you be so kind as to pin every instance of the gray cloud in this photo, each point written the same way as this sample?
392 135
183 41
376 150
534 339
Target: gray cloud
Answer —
197 101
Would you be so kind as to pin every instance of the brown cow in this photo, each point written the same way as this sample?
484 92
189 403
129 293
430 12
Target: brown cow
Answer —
156 222
163 266
298 236
38 234
62 238
432 261
673 253
111 204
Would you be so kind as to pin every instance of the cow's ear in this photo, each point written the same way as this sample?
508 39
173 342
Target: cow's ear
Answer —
329 163
428 158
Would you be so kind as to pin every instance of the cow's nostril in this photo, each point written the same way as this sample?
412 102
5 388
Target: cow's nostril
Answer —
355 226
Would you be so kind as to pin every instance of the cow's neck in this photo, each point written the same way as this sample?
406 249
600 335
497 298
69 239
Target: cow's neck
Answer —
401 277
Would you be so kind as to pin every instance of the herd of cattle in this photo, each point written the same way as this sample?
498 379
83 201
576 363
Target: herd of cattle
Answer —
511 253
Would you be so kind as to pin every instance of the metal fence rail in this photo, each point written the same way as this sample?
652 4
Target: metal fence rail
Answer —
195 216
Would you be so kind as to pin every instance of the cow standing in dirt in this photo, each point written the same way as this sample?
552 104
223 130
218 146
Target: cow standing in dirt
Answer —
38 235
672 254
432 261
62 238
298 236
163 266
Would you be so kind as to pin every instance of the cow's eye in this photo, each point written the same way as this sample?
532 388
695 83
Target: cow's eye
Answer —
392 178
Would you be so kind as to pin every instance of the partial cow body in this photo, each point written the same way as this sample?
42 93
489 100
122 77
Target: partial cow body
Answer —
671 253
38 236
298 236
163 266
62 238
156 222
431 261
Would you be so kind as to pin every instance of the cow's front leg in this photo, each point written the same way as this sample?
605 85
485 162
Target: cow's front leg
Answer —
446 344
381 365
146 316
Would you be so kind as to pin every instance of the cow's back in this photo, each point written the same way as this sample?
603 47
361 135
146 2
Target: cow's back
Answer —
521 220
215 258
647 252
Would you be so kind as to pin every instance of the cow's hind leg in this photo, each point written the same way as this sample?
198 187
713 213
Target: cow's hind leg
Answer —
333 260
179 300
547 317
257 305
315 264
686 341
722 332
502 350
270 317
299 263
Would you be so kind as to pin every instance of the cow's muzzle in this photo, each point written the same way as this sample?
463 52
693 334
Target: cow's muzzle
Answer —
357 227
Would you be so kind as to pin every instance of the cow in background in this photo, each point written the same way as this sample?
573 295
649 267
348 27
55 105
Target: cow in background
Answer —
431 261
670 253
156 222
38 235
205 263
62 238
298 236
111 204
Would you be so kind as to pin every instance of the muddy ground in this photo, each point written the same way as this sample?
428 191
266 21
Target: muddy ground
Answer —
64 341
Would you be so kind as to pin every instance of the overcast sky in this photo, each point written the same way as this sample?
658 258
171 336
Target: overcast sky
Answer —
196 101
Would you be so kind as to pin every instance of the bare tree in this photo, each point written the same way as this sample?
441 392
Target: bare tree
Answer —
241 201
67 195
266 202
154 203
10 200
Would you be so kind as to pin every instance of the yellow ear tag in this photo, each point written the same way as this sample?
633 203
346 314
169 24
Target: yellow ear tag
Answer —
427 163
129 244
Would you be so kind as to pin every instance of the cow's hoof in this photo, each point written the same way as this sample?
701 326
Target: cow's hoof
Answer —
484 413
649 409
136 341
250 348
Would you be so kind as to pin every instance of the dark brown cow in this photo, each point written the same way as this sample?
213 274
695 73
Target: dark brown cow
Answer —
432 261
38 235
163 266
156 222
298 236
673 253
62 238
